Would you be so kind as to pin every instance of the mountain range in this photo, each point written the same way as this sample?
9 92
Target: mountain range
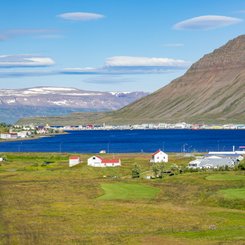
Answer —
211 91
50 101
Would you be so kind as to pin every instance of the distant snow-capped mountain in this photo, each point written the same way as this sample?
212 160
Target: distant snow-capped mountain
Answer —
51 101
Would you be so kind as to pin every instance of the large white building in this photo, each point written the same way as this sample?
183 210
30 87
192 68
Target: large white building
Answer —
159 156
96 161
212 162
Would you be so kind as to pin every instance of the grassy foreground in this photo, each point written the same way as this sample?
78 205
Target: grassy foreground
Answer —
126 191
54 204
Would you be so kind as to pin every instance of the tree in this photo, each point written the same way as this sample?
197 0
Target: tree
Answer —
155 169
136 171
241 165
158 169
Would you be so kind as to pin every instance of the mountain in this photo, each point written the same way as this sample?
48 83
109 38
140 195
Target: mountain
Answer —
50 101
211 91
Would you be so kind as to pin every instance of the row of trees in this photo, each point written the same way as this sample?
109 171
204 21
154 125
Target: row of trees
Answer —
158 170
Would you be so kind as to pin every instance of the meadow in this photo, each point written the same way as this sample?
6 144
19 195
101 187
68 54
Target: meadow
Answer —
43 201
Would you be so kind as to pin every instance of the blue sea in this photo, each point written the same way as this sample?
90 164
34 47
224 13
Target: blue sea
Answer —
129 141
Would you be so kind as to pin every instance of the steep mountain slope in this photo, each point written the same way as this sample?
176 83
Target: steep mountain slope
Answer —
50 101
211 91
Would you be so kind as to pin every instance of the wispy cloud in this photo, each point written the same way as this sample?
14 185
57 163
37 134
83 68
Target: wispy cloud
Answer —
24 60
26 73
206 22
13 33
132 65
118 61
108 80
80 16
173 45
117 65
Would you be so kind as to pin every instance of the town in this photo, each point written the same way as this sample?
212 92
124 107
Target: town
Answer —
35 131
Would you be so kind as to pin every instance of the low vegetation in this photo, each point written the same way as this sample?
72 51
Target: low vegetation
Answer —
4 128
43 201
235 193
127 191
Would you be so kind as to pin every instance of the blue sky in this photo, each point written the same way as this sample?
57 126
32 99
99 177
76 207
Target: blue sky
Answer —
110 45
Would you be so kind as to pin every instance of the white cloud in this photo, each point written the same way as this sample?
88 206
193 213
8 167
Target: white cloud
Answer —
26 60
80 16
206 22
129 61
117 65
132 65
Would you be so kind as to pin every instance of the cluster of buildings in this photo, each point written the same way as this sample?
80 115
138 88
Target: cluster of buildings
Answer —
212 160
216 160
181 125
98 161
27 131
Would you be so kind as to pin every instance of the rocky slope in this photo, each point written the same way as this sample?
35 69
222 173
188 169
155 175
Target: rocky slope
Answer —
50 101
211 91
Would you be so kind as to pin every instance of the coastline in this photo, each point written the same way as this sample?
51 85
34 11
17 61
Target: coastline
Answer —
36 137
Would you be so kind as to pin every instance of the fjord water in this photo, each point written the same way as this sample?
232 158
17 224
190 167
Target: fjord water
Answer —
126 141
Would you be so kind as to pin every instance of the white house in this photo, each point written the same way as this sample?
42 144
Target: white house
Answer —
5 136
22 134
96 161
159 156
74 160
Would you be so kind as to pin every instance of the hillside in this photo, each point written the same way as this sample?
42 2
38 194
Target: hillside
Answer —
211 91
50 101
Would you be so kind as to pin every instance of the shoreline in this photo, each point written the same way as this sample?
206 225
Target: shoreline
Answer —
32 138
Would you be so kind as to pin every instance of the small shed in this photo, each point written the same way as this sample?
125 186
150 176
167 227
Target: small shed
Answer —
74 160
159 156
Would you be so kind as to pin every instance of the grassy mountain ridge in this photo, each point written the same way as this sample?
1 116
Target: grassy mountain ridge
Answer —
211 91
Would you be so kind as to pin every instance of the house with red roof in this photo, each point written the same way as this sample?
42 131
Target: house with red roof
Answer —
74 160
96 161
159 156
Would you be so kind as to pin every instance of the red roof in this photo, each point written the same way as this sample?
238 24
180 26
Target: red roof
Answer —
106 161
74 157
156 152
99 158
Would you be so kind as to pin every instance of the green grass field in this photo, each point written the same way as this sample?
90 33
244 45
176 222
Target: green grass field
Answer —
225 177
236 193
55 204
127 191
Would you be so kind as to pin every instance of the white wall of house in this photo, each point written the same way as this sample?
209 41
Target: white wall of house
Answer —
5 136
22 134
159 157
95 161
74 161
